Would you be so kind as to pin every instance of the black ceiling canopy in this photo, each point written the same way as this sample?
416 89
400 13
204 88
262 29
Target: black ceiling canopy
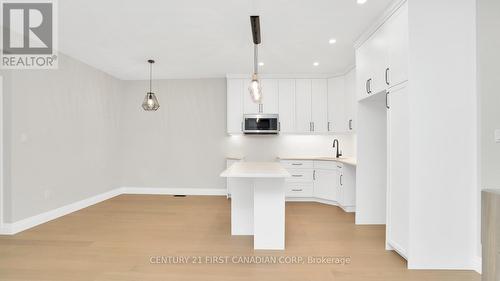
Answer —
254 21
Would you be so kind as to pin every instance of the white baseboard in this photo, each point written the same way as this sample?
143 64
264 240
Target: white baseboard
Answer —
174 191
27 223
18 226
398 249
478 264
347 209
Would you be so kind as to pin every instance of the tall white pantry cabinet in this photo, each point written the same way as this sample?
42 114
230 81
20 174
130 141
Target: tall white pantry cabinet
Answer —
382 69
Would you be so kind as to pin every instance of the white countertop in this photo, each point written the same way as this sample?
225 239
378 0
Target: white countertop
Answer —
255 170
346 160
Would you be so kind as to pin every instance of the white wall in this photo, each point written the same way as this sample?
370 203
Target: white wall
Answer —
443 135
61 131
488 60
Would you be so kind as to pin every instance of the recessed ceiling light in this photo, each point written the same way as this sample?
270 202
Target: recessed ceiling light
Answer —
332 41
261 64
361 2
315 63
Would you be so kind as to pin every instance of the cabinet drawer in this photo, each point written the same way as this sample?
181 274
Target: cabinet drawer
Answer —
297 164
329 165
300 175
299 190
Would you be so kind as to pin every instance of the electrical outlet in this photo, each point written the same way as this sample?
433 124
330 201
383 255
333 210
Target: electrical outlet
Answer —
47 193
497 135
23 138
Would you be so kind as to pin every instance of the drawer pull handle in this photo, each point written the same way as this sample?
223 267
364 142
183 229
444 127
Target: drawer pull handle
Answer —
297 176
340 167
297 164
296 189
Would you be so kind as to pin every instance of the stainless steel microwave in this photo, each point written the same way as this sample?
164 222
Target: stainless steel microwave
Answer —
261 124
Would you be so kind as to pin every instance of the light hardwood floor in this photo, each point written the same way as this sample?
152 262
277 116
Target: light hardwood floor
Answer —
114 240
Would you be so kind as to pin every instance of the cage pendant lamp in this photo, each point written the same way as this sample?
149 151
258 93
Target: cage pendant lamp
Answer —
150 102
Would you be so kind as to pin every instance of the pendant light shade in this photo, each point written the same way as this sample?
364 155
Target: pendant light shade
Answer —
255 88
150 102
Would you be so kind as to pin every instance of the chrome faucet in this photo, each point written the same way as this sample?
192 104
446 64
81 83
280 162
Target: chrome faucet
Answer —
338 153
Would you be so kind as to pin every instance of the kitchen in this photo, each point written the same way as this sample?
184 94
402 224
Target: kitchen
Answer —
318 140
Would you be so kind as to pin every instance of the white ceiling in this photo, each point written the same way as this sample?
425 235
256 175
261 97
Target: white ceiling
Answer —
211 38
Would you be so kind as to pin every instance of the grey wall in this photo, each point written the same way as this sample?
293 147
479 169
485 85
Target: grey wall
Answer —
61 136
182 144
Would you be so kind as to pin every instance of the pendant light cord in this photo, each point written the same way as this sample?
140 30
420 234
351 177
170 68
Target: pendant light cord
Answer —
255 59
150 76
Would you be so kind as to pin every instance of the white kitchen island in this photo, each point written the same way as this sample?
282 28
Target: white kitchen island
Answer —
258 202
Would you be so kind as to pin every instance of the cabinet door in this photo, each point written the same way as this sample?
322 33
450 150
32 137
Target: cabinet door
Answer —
326 184
363 71
234 105
336 105
378 56
286 90
349 121
249 106
319 105
398 169
347 196
398 46
303 105
270 96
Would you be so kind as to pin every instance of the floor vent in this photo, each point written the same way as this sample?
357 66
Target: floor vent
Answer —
177 195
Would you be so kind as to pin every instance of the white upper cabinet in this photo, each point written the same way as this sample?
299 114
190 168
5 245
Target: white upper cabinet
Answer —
234 105
319 105
378 45
270 96
313 106
286 90
342 101
336 104
350 101
363 71
382 60
398 47
303 123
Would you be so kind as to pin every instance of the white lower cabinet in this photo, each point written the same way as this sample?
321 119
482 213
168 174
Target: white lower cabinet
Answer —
327 184
299 189
324 181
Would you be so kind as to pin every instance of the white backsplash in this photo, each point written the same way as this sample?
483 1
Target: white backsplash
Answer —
267 148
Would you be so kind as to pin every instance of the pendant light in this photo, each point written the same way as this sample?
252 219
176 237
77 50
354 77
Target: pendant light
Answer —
150 102
255 88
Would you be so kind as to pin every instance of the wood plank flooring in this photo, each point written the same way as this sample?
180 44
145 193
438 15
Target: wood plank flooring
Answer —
118 238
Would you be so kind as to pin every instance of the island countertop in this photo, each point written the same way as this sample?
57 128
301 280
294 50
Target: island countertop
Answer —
256 170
